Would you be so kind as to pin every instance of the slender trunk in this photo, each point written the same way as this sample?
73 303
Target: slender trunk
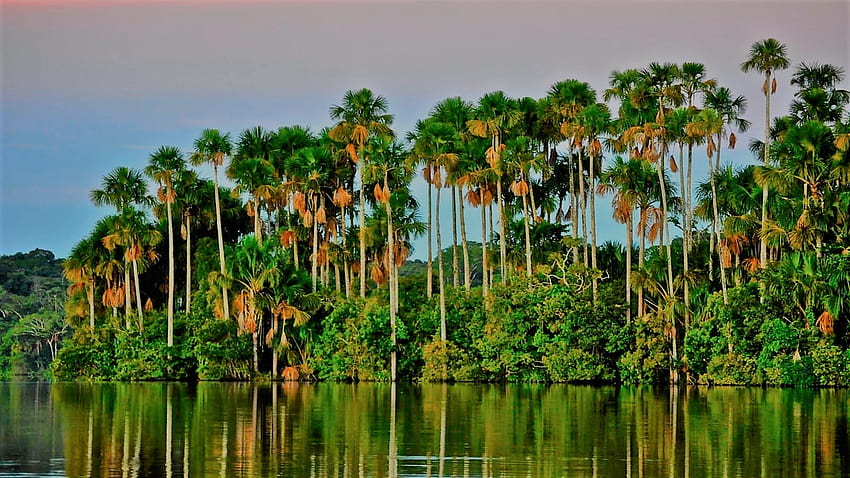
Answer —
467 276
225 303
258 222
764 193
629 240
686 199
441 276
391 284
315 259
430 272
255 343
582 200
170 273
90 294
485 271
455 265
573 200
527 236
346 270
138 294
128 298
641 258
337 282
717 224
665 230
188 264
362 231
592 191
492 271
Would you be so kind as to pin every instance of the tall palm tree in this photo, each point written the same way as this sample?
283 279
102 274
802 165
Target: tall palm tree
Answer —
213 147
122 188
766 57
362 115
164 164
818 97
254 173
495 114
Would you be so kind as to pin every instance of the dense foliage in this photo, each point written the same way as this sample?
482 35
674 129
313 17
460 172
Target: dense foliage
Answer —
300 271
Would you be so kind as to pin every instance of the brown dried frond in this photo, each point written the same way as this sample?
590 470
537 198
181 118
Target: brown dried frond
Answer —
751 264
594 148
250 325
378 191
341 197
473 198
250 207
134 252
733 140
270 335
218 158
360 134
184 232
352 152
160 194
299 202
437 178
826 323
287 238
378 274
486 196
290 374
725 255
674 168
426 173
321 218
764 87
307 218
492 157
773 86
519 188
148 305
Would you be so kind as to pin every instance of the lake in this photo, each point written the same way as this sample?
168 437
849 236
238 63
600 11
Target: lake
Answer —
427 430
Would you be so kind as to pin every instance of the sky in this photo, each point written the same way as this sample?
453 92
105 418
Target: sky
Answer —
89 85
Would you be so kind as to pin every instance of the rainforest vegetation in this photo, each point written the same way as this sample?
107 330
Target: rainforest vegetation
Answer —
301 270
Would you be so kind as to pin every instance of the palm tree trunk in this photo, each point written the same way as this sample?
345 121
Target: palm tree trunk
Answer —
485 271
629 241
716 224
362 231
527 237
455 265
582 200
225 303
90 296
315 260
467 277
170 273
258 222
573 210
188 264
592 188
430 272
665 230
641 258
391 282
764 193
440 272
138 294
128 298
686 199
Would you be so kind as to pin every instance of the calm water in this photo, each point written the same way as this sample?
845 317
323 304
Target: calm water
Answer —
342 430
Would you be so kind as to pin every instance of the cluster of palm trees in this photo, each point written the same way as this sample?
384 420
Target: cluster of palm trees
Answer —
539 163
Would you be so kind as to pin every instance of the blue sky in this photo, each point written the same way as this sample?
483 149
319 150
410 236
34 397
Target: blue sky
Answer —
91 85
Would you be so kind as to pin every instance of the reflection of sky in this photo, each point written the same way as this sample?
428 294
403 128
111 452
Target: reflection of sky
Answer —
87 86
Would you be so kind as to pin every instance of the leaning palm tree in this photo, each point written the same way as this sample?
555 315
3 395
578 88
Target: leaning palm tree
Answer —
766 56
214 147
166 163
362 115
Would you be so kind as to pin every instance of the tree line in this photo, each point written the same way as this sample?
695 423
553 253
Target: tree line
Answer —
319 226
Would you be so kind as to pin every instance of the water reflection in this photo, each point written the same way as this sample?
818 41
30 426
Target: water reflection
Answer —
387 430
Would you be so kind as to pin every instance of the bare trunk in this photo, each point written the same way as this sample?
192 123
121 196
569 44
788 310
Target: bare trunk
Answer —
467 275
258 222
455 265
582 200
686 200
188 264
716 224
441 276
90 294
592 188
391 283
315 259
665 230
362 231
430 273
573 201
170 275
527 237
764 193
222 268
138 294
629 240
128 298
485 271
503 247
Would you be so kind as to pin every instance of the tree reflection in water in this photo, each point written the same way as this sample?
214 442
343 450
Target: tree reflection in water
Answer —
434 430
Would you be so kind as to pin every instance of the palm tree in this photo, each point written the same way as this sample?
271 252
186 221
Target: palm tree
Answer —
767 57
122 188
253 172
133 233
818 97
362 115
494 115
456 112
166 163
214 147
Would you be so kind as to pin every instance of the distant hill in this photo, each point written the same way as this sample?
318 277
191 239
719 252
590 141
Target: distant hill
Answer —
30 281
